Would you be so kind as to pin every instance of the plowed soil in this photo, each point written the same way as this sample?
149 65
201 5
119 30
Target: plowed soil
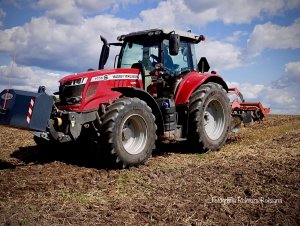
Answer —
253 180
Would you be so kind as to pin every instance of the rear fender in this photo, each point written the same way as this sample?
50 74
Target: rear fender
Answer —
141 94
192 81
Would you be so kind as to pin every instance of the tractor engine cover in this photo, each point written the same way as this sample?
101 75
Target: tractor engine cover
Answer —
25 110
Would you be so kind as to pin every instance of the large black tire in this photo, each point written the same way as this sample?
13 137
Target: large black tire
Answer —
128 131
209 117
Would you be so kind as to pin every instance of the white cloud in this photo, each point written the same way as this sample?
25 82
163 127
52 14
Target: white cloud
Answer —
236 35
164 15
47 44
292 4
237 11
291 76
25 78
185 13
73 11
176 13
292 72
220 55
279 96
280 100
62 11
272 36
282 95
249 90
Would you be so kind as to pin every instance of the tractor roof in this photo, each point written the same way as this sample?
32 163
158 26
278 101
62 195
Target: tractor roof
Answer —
159 33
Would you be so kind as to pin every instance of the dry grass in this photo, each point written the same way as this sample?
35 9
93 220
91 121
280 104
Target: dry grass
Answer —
175 187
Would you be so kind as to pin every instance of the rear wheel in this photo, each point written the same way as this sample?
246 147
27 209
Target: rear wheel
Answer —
128 131
209 117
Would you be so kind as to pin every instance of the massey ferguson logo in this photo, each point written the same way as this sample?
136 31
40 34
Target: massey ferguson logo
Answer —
116 77
126 76
7 96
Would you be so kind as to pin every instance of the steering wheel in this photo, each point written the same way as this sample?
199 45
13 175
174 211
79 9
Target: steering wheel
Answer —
165 72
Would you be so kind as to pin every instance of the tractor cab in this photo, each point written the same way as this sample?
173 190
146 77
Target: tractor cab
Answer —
175 52
158 54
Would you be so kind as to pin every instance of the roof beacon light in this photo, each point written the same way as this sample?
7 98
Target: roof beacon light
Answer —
201 38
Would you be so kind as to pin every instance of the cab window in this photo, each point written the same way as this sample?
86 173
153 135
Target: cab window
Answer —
143 52
179 63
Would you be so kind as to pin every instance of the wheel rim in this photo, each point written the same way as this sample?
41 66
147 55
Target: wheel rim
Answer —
214 120
134 134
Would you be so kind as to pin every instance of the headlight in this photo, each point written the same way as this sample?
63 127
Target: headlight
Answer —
76 82
70 92
73 100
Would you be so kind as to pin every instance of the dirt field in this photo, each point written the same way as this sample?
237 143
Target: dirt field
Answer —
253 180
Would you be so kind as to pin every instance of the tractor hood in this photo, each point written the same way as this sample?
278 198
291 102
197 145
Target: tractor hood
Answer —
84 91
118 73
90 74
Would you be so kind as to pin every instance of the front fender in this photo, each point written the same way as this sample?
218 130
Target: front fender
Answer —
192 81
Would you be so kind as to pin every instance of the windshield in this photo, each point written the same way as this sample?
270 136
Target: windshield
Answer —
140 52
181 62
147 53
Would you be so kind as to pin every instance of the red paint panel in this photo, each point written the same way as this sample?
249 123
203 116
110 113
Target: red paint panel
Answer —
191 82
104 81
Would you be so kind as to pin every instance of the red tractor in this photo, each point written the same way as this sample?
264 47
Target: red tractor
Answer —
156 92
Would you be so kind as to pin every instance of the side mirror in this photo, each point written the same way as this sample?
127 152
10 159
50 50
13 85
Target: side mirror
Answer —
203 65
174 42
104 53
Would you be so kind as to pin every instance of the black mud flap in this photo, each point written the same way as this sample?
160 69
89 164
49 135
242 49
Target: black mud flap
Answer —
25 110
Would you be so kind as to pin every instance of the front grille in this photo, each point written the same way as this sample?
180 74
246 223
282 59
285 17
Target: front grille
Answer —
70 94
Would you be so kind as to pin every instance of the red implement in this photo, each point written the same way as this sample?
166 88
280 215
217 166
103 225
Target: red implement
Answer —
240 107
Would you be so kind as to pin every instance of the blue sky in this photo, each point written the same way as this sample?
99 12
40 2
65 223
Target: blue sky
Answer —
254 45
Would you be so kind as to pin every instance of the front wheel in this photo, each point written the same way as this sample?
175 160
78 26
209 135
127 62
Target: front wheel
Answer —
128 131
209 117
